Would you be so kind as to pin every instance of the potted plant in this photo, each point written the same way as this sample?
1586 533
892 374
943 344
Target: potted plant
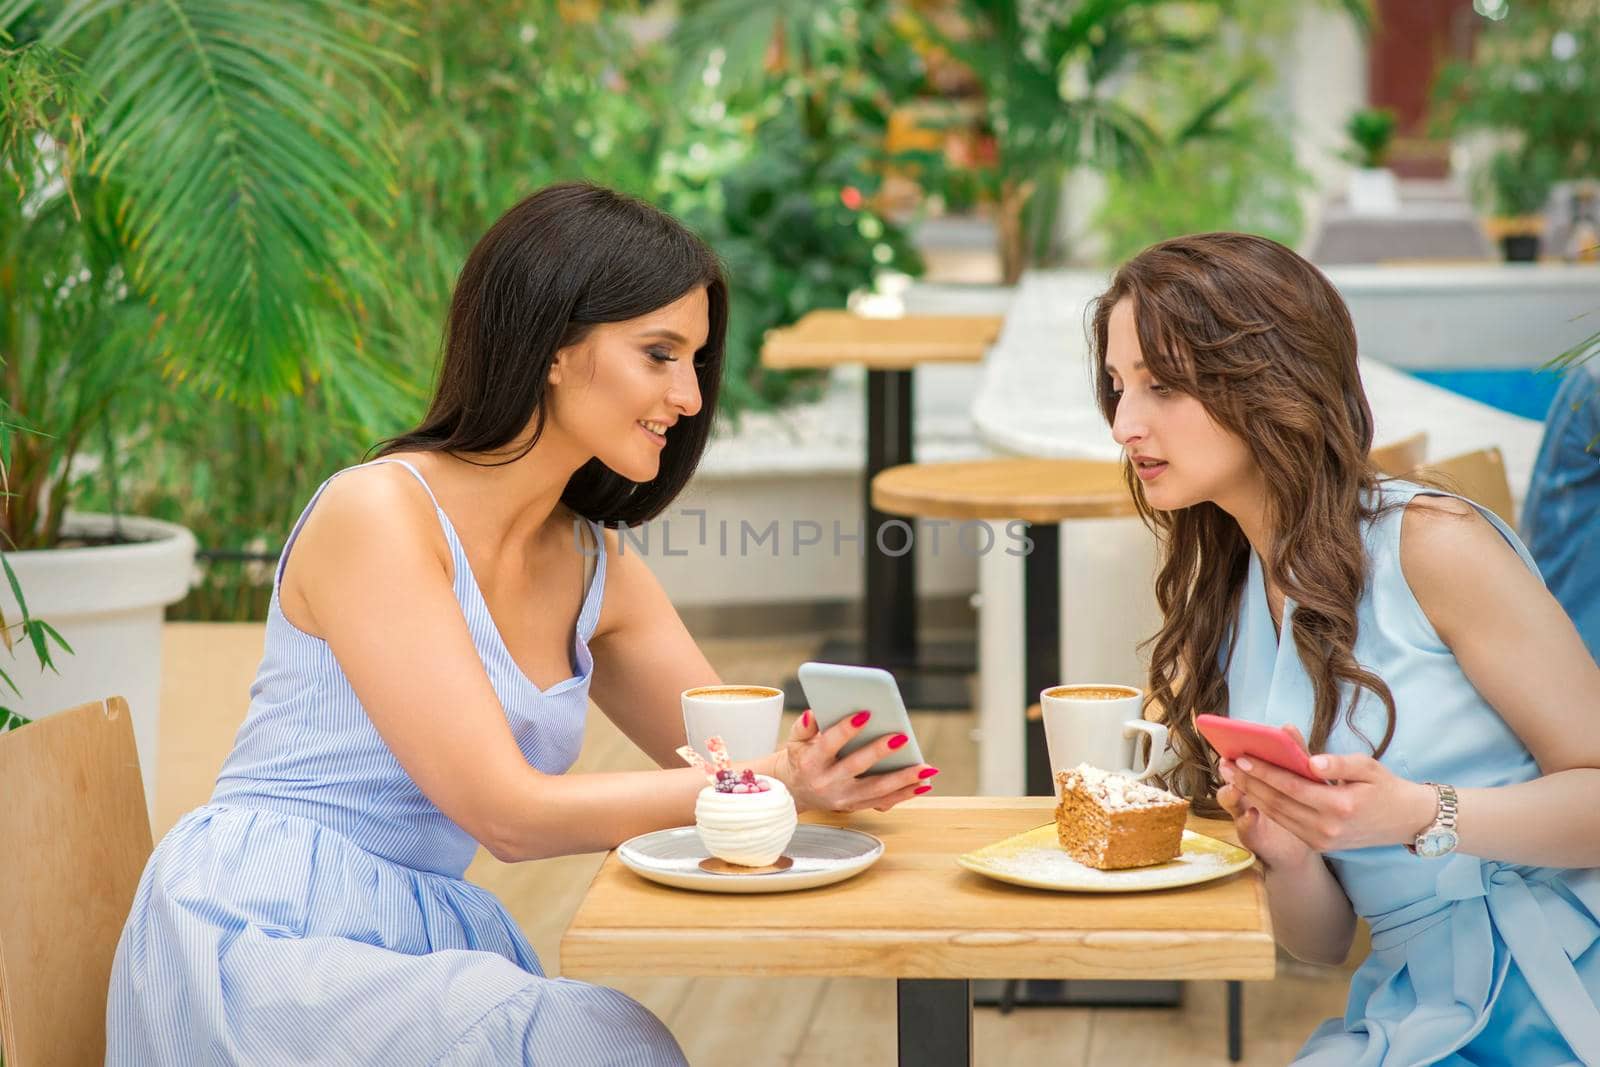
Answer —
35 635
1373 189
1518 184
1062 90
1533 86
1050 81
166 236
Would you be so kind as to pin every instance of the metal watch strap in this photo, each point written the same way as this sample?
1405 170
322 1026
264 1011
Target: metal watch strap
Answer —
1444 817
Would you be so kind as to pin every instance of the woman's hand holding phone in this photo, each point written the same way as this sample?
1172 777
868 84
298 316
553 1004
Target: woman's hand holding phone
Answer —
809 765
1276 847
1356 802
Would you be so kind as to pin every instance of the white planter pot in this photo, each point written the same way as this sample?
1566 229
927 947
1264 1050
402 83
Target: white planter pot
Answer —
1373 191
107 602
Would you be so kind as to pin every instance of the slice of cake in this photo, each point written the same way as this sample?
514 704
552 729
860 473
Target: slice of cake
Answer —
1109 821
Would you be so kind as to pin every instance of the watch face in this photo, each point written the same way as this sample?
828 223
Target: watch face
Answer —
1436 843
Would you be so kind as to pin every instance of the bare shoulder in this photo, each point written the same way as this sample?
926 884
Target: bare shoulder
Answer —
378 503
1446 530
374 520
1457 563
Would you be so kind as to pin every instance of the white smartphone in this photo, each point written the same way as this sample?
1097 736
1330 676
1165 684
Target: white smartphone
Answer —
836 691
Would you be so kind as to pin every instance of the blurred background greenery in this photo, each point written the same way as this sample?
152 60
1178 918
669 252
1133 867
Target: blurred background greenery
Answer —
232 226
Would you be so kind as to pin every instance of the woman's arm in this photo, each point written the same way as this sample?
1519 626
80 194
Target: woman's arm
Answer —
370 574
1519 650
645 659
1311 916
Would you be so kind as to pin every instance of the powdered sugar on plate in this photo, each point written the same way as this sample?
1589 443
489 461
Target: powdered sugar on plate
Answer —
1051 864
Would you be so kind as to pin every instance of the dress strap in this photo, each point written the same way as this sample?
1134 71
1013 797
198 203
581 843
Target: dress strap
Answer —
426 488
283 557
595 558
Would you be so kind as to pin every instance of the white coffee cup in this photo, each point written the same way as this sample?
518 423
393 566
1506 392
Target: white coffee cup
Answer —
1101 725
746 717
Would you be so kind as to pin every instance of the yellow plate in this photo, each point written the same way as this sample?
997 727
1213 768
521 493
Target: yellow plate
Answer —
1036 859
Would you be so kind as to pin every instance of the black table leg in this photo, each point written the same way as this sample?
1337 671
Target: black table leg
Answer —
1041 638
935 1022
930 678
1235 1021
890 608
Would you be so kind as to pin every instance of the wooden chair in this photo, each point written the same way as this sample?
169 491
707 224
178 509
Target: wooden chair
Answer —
1479 476
75 837
1401 457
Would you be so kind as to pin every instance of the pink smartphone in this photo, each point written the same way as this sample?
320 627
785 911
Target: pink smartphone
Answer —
1274 744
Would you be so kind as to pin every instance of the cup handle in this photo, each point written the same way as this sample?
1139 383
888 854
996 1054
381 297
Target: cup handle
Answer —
1161 759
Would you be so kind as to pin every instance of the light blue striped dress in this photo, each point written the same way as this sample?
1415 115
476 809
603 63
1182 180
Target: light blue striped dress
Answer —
1473 961
314 912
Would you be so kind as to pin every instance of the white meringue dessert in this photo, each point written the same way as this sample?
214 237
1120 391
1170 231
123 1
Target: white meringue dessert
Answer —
749 829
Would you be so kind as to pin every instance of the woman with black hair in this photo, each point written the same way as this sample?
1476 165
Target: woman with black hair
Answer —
440 620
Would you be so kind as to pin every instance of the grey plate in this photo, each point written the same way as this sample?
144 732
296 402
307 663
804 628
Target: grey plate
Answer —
822 855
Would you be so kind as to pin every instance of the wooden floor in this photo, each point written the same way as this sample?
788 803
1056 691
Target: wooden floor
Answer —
207 669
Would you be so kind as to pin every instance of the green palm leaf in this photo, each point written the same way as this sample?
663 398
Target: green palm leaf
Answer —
1587 349
744 30
1205 120
248 143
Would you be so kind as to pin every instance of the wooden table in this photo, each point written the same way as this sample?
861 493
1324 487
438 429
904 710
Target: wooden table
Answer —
917 917
889 349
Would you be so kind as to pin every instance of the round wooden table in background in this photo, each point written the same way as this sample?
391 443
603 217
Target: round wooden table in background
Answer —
889 349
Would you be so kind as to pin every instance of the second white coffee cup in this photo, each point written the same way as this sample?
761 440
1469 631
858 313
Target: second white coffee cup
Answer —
1101 725
745 716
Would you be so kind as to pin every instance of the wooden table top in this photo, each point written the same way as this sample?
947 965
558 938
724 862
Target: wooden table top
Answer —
1034 490
917 914
830 338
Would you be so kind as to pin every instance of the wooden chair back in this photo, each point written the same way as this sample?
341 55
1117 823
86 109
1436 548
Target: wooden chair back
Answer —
74 838
1479 476
1399 458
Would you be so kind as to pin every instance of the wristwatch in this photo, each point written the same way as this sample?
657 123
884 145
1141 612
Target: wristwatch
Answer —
1440 838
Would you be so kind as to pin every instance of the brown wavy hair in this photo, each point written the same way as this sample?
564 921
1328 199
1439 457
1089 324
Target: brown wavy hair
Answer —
1263 340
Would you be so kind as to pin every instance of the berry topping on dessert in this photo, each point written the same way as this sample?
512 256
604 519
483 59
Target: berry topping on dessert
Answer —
720 773
744 782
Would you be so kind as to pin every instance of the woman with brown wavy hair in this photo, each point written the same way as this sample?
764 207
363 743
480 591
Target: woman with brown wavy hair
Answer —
1405 632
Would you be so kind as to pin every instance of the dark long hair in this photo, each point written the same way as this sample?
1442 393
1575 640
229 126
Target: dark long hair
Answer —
557 264
1263 340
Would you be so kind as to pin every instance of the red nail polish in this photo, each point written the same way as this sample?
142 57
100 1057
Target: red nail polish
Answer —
860 718
897 740
919 790
805 718
927 772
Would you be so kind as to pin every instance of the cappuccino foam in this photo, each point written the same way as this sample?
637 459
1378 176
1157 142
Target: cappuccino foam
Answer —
1091 692
733 692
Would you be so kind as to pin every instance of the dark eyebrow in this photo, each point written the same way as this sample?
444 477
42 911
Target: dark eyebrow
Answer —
1137 366
671 335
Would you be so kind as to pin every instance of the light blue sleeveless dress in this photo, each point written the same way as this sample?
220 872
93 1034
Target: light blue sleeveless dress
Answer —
314 912
1473 961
